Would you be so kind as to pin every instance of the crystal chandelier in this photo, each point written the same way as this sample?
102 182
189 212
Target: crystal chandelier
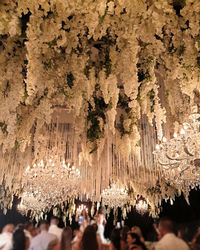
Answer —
141 206
114 196
179 158
49 183
29 202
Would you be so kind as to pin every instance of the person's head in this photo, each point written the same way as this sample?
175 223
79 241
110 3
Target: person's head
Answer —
133 238
95 226
19 226
115 238
123 233
136 230
28 226
89 239
84 212
9 228
66 238
35 231
100 210
54 220
44 225
19 240
165 226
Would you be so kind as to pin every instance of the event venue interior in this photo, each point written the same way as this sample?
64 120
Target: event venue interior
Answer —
99 105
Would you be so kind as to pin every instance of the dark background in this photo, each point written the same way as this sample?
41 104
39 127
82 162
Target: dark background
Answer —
185 216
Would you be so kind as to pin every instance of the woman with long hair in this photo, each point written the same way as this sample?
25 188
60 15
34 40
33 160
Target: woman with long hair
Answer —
138 231
123 235
115 240
66 239
101 224
134 242
20 242
89 239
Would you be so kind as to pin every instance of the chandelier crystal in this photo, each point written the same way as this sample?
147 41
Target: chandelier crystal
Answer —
114 196
179 158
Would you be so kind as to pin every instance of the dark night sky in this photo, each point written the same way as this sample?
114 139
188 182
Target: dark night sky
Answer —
182 213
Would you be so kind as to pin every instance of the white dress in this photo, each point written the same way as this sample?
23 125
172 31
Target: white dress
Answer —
101 220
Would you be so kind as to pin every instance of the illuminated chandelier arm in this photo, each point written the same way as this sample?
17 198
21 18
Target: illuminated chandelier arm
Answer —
186 168
175 158
167 163
186 150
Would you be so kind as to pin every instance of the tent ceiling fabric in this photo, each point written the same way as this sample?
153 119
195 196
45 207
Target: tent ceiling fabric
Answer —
96 84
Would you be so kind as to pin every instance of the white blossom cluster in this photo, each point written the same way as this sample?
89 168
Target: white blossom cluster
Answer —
110 62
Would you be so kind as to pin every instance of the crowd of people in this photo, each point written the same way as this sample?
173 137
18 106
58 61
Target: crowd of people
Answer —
88 237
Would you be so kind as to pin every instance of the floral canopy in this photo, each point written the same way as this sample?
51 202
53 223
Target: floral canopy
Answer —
96 84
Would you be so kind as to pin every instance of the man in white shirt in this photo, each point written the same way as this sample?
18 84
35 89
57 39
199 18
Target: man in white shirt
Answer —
54 229
6 237
168 240
42 240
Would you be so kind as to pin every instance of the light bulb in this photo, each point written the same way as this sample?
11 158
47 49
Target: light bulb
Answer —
182 132
27 169
175 135
157 147
164 139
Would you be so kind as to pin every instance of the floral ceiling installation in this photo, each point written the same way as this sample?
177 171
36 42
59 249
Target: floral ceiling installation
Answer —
125 73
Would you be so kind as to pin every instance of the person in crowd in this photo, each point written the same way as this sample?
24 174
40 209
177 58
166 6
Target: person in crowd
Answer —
89 239
66 239
101 224
35 231
93 220
6 237
19 226
20 241
83 219
138 231
196 240
77 234
65 243
43 239
123 235
97 234
54 229
28 228
115 240
134 242
168 239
